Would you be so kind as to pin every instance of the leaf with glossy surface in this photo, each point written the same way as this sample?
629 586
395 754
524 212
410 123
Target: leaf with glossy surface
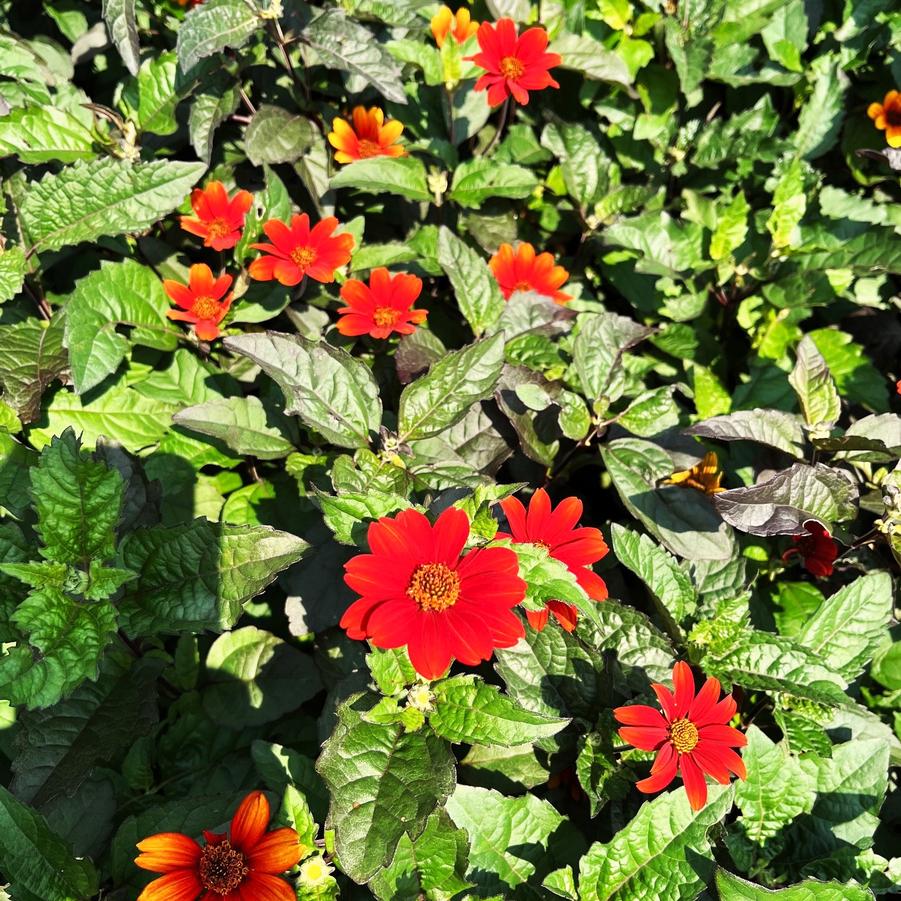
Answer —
12 272
32 356
478 179
815 388
733 888
211 27
119 16
774 428
590 58
43 134
331 391
275 135
385 174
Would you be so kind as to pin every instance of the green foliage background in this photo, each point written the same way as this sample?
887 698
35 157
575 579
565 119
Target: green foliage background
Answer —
176 516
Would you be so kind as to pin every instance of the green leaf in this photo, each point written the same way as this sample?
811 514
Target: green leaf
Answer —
850 625
446 392
651 413
275 135
349 513
468 710
66 639
781 505
773 428
733 888
778 789
682 519
38 862
478 295
384 783
403 175
89 199
598 352
213 103
119 16
590 58
815 388
211 27
731 228
341 43
42 134
12 272
669 584
432 865
254 678
663 852
116 295
789 205
585 168
241 422
32 356
332 392
77 501
60 746
478 179
153 97
857 378
199 575
508 838
391 669
822 115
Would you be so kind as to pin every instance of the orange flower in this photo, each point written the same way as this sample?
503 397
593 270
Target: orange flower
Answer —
368 136
219 220
297 251
703 476
446 22
513 65
244 864
886 117
522 270
201 301
382 307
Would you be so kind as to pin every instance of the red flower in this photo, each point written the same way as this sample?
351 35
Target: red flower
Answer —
299 251
419 590
201 301
690 737
555 530
240 866
382 307
513 65
219 220
522 270
817 549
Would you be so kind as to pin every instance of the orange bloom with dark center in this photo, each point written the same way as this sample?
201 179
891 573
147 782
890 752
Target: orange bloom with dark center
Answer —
201 301
298 250
886 117
817 549
219 220
522 270
513 65
367 136
418 589
381 307
458 24
242 865
555 530
691 737
704 476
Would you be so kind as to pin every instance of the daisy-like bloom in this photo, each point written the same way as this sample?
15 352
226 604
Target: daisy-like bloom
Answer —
704 476
886 117
513 65
242 865
458 24
420 591
298 250
315 872
691 737
556 532
522 270
219 220
201 301
817 549
367 136
383 306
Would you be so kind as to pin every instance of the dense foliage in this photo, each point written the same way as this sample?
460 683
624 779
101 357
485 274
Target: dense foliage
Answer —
433 442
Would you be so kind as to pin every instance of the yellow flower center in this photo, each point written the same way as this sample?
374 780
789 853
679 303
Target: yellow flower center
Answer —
434 586
522 286
205 308
511 67
222 868
304 256
684 735
369 148
219 228
385 316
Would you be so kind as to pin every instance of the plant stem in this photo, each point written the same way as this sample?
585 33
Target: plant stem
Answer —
505 111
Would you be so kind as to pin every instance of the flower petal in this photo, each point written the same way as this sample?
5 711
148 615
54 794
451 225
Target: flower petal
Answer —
684 685
181 885
695 783
167 851
276 851
250 822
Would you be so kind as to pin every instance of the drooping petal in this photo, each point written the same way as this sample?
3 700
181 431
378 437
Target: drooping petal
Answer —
663 771
695 783
428 649
567 615
537 619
